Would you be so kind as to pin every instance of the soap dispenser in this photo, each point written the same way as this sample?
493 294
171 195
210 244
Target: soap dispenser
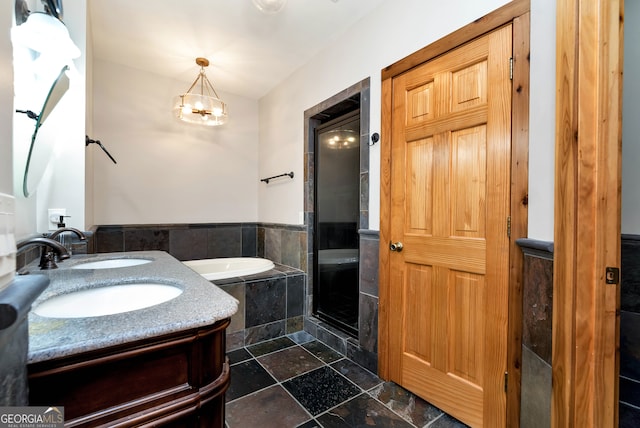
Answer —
63 239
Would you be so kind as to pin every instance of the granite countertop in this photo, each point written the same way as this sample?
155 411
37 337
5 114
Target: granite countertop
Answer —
201 303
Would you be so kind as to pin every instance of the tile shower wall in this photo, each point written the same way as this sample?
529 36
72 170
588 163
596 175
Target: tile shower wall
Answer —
630 332
537 308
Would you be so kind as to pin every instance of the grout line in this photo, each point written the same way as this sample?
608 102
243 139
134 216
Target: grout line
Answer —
330 366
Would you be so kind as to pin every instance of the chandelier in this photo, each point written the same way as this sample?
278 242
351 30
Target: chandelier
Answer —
202 106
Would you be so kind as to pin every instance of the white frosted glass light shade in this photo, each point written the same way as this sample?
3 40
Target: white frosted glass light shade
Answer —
200 109
269 6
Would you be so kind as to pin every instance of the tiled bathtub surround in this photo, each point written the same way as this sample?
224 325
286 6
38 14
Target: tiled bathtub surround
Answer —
537 308
182 241
285 245
271 305
630 332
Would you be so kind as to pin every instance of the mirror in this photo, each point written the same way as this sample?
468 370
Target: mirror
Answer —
38 157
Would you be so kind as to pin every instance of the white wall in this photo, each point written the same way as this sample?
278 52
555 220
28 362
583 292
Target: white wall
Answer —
542 110
631 121
169 171
396 29
62 185
6 96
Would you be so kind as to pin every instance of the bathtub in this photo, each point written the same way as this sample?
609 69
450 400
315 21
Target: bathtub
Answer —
229 267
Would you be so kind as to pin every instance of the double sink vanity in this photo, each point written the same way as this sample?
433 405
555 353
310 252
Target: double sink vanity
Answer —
130 339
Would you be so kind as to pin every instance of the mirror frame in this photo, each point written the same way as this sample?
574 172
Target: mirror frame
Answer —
59 87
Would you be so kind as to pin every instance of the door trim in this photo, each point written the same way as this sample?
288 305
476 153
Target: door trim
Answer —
586 319
517 13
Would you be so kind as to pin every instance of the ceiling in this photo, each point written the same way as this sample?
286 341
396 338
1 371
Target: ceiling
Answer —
250 52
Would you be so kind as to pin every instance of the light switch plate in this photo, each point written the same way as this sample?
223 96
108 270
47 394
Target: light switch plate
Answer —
53 214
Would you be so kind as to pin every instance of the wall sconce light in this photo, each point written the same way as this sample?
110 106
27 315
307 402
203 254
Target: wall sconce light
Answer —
204 107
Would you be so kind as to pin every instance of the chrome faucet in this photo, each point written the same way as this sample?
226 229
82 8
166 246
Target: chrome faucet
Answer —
50 250
80 235
66 243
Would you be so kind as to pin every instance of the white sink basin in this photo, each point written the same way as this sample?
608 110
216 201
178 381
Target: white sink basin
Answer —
109 300
111 263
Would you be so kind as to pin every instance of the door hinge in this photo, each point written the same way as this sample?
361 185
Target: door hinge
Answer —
509 227
511 68
506 381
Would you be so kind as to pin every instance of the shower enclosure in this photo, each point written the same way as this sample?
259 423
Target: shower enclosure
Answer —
337 210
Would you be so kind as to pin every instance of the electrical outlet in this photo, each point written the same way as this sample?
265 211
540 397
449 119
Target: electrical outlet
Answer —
54 217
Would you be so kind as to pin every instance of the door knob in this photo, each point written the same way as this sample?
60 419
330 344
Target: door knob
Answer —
395 246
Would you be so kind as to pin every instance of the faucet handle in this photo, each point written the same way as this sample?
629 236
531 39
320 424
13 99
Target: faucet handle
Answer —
48 260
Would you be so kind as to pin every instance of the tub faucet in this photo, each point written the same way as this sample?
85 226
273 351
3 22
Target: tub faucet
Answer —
50 250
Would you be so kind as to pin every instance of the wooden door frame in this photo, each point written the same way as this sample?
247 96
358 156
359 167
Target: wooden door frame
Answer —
516 12
586 320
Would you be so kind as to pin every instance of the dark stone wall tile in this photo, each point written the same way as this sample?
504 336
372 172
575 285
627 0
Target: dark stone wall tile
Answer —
188 244
537 305
630 345
265 332
364 195
630 273
309 183
146 239
331 339
273 244
359 355
536 391
302 253
249 240
237 290
295 296
630 391
109 240
290 248
368 323
261 236
369 266
295 324
224 242
265 301
629 416
235 340
311 326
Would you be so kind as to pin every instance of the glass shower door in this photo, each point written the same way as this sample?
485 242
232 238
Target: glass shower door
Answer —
337 211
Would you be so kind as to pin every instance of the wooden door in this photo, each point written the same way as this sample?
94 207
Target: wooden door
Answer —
450 189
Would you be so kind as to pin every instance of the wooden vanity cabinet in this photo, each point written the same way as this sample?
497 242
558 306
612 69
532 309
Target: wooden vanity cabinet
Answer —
175 380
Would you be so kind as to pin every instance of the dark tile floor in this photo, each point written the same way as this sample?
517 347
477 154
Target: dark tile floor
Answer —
296 381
